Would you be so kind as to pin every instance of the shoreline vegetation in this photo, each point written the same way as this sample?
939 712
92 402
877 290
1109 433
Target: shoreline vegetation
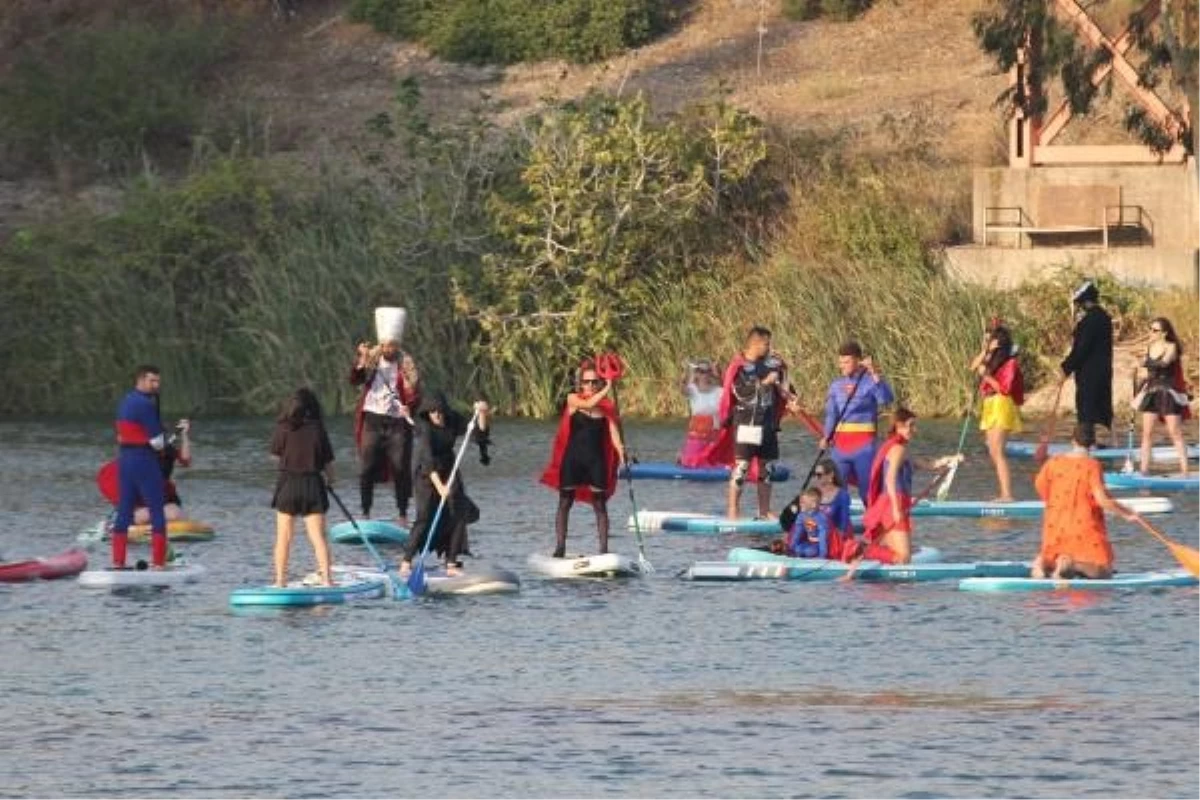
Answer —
590 225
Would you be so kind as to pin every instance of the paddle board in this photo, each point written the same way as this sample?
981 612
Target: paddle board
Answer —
609 565
1157 454
348 588
1019 509
1162 483
662 470
63 565
378 531
1132 580
815 569
119 578
475 579
750 555
179 530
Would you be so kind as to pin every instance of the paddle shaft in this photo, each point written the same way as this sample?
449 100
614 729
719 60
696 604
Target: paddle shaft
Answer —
1048 430
637 526
833 434
366 541
418 568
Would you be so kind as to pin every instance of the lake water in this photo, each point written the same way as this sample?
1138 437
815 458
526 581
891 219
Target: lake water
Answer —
649 687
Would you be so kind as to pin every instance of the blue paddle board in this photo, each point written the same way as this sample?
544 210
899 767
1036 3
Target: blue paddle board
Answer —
717 525
1161 454
297 594
1132 580
1120 480
750 555
661 470
1020 509
815 569
378 531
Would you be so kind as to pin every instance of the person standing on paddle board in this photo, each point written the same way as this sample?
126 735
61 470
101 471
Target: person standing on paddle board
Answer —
1002 387
753 400
1074 534
140 438
585 456
700 387
1091 360
851 415
887 522
383 423
1164 391
438 428
301 446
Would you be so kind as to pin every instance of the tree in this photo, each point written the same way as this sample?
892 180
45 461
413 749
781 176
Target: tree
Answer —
1169 44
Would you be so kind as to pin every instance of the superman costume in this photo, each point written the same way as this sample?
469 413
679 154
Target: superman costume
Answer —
139 476
851 412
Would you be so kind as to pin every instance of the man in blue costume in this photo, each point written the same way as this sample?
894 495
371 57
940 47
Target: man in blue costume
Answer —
140 438
851 415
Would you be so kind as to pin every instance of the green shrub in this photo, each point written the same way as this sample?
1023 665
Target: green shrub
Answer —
106 96
509 31
844 10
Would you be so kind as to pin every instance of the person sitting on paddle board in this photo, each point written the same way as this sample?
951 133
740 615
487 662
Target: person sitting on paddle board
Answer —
851 415
1164 391
140 438
383 422
835 504
887 522
700 387
1074 534
1003 390
753 400
809 537
438 427
301 446
585 456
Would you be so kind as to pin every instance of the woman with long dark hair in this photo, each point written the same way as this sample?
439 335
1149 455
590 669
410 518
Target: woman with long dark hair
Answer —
1002 388
1163 394
301 446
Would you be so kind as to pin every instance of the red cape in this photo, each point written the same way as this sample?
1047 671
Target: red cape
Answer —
721 451
1012 382
109 483
878 515
551 477
1180 384
411 398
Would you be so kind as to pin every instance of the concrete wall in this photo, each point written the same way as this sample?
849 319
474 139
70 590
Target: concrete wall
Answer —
1168 193
1007 268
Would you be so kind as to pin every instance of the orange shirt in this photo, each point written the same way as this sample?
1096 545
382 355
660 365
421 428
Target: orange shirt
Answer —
1074 523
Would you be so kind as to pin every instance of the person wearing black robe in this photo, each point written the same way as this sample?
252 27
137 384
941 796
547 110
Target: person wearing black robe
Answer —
1091 360
438 427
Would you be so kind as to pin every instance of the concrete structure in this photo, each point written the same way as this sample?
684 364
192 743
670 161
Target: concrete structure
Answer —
1125 210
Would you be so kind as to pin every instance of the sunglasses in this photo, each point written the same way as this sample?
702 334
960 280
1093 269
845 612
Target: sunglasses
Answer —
1155 330
591 381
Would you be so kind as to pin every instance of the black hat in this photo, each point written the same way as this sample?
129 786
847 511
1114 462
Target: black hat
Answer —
1087 291
434 401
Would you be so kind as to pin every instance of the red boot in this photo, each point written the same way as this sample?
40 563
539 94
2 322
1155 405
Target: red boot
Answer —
120 543
158 550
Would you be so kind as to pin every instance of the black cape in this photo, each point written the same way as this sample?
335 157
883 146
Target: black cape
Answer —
1091 362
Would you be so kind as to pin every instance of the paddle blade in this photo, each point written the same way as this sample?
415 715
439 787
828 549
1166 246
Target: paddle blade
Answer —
943 490
1187 557
416 579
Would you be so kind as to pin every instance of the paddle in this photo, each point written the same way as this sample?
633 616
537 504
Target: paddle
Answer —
397 587
610 367
944 489
820 453
1043 448
416 579
1186 556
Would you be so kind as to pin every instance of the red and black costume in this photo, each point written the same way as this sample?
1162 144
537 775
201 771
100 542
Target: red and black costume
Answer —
583 466
384 435
757 406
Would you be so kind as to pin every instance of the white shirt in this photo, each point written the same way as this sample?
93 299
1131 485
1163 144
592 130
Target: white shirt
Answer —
381 396
704 403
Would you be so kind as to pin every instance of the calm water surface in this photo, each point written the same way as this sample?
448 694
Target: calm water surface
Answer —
652 687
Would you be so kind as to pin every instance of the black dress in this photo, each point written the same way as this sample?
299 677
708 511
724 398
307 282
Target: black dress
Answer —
435 452
1091 362
583 462
1161 398
304 451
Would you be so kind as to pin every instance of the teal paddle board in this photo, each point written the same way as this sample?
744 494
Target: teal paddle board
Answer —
297 594
750 555
378 531
1162 483
815 569
1019 509
1157 454
1132 580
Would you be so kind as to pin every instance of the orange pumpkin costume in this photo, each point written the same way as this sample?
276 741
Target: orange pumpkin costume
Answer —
1074 523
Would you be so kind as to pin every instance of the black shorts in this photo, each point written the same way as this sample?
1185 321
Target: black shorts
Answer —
1162 402
767 451
300 494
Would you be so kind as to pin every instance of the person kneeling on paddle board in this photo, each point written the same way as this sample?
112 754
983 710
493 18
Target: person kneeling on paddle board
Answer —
438 427
585 456
301 446
1074 535
887 523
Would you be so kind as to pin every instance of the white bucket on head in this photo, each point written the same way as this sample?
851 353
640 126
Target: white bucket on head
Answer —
389 323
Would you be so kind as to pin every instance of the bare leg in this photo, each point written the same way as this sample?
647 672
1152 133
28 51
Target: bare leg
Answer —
1175 430
764 498
314 525
1147 441
1062 567
1037 569
734 499
283 544
995 444
172 512
899 543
